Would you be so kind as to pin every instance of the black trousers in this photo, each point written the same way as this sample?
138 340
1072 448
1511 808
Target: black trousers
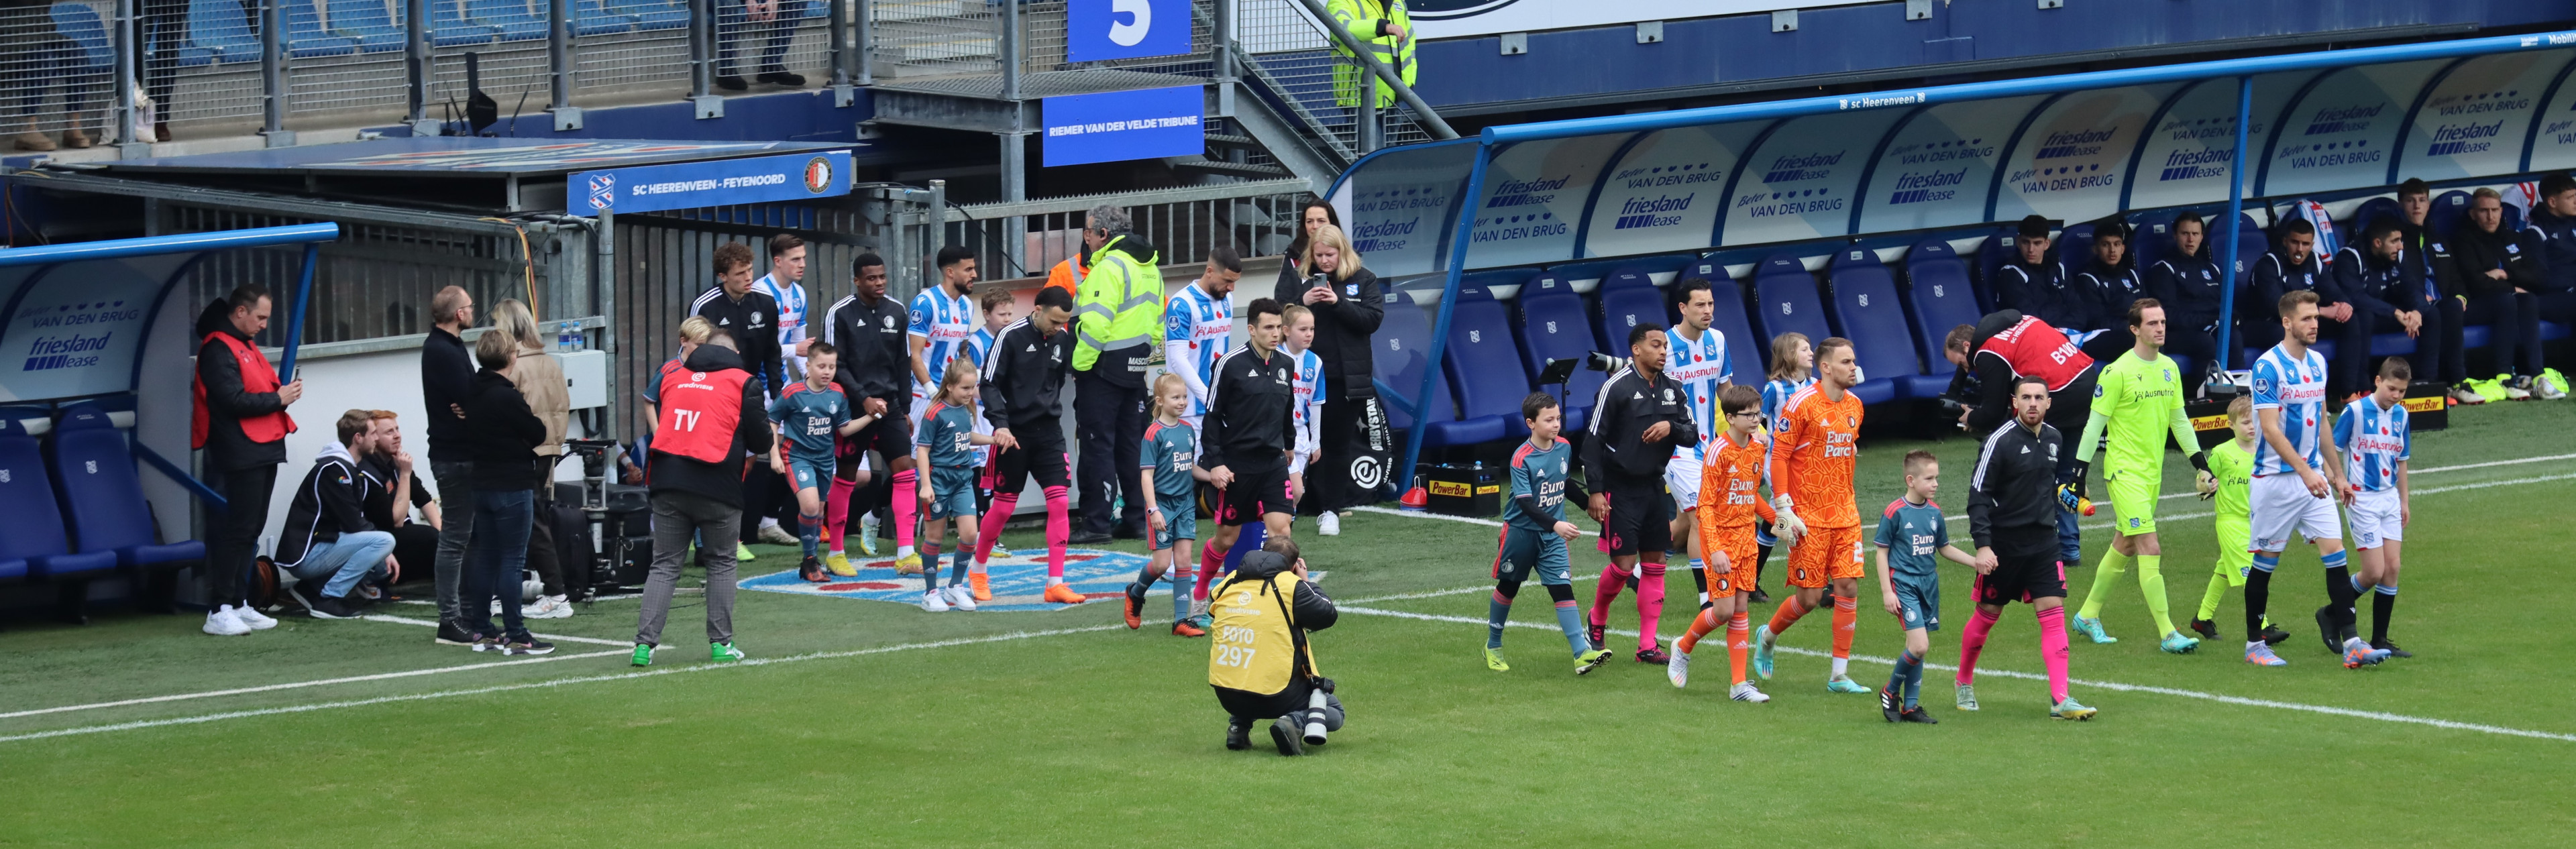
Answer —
762 492
2427 362
234 531
416 548
1110 422
2443 326
164 24
542 557
1355 442
2513 344
1289 704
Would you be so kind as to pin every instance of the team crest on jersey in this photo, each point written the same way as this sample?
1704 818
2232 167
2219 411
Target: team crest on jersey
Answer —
1851 421
889 322
755 316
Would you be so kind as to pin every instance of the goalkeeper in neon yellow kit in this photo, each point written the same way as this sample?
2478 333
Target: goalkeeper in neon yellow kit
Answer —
2137 401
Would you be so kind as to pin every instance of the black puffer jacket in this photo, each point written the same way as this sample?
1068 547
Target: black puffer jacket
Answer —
1344 330
505 435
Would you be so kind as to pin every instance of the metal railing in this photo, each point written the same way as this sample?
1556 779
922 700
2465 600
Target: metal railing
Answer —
1289 55
1253 218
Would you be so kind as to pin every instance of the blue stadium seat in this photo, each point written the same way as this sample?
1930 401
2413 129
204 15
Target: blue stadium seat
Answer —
1992 256
32 543
448 26
1746 349
92 52
1936 287
653 15
2450 210
305 37
219 31
1404 347
1865 309
368 22
2370 209
1553 328
103 496
1784 299
2074 248
1489 393
510 17
591 18
1628 298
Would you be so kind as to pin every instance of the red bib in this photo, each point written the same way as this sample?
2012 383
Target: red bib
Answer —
257 376
2038 350
699 412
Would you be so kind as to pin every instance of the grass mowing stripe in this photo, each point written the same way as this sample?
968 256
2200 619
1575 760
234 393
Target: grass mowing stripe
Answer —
2103 685
2461 487
293 685
405 620
2434 470
504 688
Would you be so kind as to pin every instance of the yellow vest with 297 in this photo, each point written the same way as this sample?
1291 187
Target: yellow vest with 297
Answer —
1253 641
1118 305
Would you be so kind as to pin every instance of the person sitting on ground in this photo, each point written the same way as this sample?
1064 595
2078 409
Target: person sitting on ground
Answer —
1260 663
327 543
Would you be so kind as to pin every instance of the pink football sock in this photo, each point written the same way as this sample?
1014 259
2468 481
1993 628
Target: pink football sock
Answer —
2052 649
1972 641
1004 504
1211 559
1650 603
1612 581
1058 529
907 501
836 511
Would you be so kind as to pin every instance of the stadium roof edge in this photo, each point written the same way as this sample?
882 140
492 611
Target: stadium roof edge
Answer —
1513 133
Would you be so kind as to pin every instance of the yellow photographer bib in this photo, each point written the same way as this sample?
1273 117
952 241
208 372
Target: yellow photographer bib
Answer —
1253 638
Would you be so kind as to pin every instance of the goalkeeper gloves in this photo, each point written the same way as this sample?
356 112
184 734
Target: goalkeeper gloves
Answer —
2071 490
2202 480
1786 523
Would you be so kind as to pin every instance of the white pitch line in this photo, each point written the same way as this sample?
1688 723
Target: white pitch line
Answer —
2104 685
504 688
381 676
1431 594
405 620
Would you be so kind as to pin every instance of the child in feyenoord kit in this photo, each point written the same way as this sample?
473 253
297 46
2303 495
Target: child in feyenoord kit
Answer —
1169 477
1535 534
1913 539
946 450
1730 502
808 416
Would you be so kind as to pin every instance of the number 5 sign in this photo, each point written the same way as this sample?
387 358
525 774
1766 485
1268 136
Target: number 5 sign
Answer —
1126 29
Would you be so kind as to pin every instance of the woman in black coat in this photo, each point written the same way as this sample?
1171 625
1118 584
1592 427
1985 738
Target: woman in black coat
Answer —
1349 304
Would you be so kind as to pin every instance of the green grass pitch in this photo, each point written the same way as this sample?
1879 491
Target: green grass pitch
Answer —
867 723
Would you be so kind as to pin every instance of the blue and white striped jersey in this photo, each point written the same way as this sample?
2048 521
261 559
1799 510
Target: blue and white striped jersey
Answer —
946 321
1699 367
1308 411
2297 388
1775 395
1198 329
2373 441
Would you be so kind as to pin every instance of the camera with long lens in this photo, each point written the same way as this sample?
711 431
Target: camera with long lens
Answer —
1598 361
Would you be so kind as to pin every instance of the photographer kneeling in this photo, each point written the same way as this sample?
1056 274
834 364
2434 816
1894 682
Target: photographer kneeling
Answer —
1259 661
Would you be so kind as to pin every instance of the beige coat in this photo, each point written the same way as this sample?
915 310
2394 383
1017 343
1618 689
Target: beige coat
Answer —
541 381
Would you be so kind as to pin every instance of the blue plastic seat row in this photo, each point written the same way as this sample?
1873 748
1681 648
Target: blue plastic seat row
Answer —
82 515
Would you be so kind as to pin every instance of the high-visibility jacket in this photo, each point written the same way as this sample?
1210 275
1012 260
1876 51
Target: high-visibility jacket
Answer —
1256 640
1366 21
257 377
1067 274
1118 310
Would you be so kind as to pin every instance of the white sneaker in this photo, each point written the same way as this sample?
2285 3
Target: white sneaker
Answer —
1328 524
2516 393
222 622
868 535
2549 391
1744 691
548 607
2463 396
253 619
934 602
959 598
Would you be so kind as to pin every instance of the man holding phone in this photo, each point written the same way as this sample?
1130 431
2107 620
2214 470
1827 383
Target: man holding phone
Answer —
240 420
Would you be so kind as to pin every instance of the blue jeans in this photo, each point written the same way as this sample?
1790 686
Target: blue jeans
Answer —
501 523
341 563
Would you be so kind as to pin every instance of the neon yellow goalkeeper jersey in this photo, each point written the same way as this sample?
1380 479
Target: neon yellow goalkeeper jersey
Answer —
2140 398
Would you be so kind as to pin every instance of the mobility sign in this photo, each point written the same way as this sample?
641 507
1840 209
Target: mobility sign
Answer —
1120 125
723 182
1097 30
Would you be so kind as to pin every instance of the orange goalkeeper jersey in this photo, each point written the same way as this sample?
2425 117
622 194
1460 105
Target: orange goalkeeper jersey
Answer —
1730 483
1818 443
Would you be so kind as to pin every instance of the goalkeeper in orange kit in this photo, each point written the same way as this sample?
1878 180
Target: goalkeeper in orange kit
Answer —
1730 499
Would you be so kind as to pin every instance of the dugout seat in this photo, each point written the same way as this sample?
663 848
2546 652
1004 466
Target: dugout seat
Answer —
1746 349
33 546
1404 347
1784 299
2369 209
1489 393
1937 290
1864 308
2074 247
2450 211
103 496
1629 298
1553 328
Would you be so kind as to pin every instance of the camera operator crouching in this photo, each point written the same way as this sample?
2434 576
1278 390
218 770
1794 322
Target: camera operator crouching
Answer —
1259 661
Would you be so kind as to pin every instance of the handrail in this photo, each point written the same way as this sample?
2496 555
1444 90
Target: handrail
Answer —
1084 203
1430 120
